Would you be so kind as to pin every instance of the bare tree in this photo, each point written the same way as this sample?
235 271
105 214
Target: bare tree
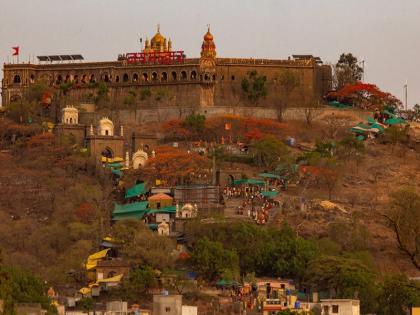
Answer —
288 80
312 110
403 218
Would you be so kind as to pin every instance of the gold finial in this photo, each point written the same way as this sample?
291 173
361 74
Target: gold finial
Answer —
208 28
158 28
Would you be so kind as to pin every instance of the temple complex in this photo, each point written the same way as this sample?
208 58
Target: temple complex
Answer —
159 75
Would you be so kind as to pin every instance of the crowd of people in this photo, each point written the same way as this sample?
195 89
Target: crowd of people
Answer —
254 205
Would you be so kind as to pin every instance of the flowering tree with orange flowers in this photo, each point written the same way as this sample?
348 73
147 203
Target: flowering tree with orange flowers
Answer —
364 95
176 166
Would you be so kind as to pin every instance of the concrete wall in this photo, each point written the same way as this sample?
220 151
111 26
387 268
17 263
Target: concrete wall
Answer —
167 304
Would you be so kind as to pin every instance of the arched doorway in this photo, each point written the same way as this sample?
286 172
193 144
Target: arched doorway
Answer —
107 153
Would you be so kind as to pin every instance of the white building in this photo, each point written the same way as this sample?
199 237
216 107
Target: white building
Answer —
340 307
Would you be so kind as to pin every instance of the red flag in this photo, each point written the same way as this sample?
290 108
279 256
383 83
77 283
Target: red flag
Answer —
15 51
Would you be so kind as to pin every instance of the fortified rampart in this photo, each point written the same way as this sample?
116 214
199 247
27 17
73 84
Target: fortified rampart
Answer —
151 81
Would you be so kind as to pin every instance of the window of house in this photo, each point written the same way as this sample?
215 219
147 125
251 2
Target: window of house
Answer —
167 309
335 309
233 78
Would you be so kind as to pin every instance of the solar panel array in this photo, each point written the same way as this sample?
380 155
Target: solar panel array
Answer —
60 58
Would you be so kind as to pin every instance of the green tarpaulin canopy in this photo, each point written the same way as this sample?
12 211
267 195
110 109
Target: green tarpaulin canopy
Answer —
269 175
395 121
136 190
169 209
249 181
130 207
371 120
269 194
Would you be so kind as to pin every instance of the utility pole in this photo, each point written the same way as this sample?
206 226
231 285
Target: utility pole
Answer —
363 68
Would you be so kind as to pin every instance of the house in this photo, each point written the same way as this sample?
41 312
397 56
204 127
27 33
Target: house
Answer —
110 268
340 307
277 295
171 305
160 201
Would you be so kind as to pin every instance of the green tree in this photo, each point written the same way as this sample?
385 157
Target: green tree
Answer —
288 81
398 295
254 86
196 123
23 111
139 245
19 286
347 70
212 261
138 282
403 217
268 151
346 277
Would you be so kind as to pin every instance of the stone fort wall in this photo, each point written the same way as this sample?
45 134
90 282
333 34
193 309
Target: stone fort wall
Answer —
180 84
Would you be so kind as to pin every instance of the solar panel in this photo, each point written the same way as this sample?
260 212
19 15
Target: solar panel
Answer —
60 58
43 58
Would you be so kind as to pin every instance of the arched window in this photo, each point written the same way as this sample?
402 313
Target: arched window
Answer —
193 75
173 75
135 77
164 76
183 75
68 78
106 78
59 79
214 77
92 78
117 78
32 79
154 76
16 79
15 98
84 78
125 77
76 78
233 78
206 77
145 77
71 120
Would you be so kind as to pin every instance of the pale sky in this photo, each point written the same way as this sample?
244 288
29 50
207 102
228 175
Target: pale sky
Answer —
385 33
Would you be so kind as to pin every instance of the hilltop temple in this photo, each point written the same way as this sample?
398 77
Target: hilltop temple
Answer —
194 82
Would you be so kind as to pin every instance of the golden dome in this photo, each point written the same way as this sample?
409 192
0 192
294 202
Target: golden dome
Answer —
208 36
158 39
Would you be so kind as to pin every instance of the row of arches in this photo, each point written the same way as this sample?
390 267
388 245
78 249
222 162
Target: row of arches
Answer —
126 78
130 78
